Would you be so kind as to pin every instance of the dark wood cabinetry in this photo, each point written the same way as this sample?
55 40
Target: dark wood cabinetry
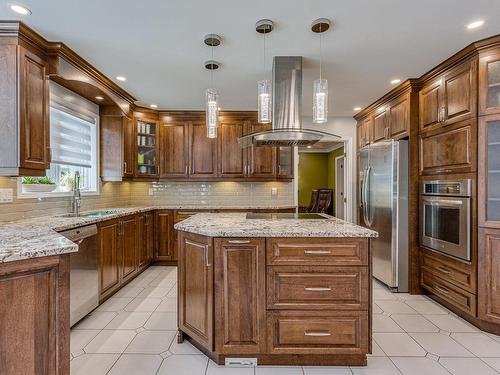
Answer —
129 251
232 157
174 150
109 257
166 246
202 152
262 161
489 83
489 275
399 117
380 125
35 306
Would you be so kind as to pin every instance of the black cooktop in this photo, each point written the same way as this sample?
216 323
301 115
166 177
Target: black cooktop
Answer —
284 216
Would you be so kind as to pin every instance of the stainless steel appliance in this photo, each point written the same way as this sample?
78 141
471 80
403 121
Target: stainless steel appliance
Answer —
445 214
383 197
84 278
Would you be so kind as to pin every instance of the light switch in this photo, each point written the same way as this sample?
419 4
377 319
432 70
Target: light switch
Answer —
6 195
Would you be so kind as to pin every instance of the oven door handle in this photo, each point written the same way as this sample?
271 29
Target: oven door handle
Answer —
443 202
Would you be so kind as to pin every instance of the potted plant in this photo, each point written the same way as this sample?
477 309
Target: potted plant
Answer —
38 184
67 181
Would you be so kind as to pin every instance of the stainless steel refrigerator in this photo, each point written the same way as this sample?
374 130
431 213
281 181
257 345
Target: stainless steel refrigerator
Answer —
383 202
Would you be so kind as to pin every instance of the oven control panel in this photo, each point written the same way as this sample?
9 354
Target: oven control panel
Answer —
443 187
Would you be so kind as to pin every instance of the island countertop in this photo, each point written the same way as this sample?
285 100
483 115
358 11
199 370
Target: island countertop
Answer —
237 225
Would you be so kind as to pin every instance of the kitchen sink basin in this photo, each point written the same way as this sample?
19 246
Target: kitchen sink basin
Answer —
92 214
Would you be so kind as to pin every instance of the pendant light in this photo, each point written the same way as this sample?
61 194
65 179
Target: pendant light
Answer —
211 94
264 103
320 86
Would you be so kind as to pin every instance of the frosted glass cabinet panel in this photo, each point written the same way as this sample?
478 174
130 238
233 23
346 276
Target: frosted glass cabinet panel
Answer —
489 84
489 171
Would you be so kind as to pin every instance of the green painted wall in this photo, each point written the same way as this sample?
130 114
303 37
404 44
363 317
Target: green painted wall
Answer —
316 171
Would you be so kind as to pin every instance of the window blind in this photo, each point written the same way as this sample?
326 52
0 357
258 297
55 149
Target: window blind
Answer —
71 139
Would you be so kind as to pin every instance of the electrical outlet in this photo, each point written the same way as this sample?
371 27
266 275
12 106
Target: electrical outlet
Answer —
6 195
274 192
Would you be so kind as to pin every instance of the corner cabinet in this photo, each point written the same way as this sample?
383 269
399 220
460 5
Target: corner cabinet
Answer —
24 112
147 164
489 83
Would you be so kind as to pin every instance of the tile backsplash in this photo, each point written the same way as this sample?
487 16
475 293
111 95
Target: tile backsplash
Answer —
123 194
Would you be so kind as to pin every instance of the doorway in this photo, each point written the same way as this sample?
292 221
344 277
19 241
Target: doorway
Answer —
340 200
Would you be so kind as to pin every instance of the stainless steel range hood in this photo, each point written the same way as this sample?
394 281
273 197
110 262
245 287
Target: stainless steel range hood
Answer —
287 109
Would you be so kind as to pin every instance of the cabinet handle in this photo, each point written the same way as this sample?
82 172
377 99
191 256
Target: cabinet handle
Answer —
441 114
444 270
186 169
317 334
207 262
124 167
239 241
317 289
316 252
442 290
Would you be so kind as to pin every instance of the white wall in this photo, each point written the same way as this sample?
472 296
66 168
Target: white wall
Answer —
345 127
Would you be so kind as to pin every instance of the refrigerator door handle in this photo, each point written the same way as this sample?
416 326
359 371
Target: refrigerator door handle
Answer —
363 196
368 220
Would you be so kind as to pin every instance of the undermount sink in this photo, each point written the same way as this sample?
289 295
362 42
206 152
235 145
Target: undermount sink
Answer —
91 214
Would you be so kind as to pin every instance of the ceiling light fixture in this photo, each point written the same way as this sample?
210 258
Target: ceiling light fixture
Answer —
99 98
153 106
395 81
211 94
320 86
19 9
264 105
475 24
121 78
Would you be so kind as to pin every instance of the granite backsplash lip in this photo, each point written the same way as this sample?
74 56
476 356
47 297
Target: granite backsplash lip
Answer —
236 225
39 237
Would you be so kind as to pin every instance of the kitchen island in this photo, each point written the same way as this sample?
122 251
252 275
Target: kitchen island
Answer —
279 289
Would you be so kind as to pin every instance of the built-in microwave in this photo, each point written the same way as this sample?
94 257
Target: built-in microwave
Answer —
445 217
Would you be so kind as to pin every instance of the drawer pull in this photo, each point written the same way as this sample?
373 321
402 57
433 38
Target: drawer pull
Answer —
317 289
316 252
442 290
444 270
239 241
317 334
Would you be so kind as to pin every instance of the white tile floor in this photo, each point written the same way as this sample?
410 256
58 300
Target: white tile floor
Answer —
134 332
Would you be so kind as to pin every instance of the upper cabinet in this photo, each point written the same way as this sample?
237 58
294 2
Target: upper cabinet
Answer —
380 125
147 148
202 152
232 157
399 117
449 98
489 83
174 150
261 160
24 111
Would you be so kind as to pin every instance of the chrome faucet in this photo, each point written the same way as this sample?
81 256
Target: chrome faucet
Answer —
76 200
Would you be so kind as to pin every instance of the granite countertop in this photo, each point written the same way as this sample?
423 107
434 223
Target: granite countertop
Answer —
237 225
38 237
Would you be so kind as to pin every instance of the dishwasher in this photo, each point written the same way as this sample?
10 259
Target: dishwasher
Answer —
84 277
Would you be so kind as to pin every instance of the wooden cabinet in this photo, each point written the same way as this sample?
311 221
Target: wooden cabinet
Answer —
147 148
145 238
196 287
380 125
202 152
166 246
262 161
109 257
24 112
240 266
174 150
399 117
489 83
449 151
450 98
489 275
232 157
35 316
285 156
129 153
365 127
128 248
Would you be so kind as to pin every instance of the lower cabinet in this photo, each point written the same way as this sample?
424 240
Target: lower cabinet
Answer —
109 257
34 295
145 238
489 275
166 246
129 241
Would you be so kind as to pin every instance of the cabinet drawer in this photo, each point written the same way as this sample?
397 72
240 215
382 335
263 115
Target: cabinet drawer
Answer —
317 251
318 333
454 272
312 288
457 297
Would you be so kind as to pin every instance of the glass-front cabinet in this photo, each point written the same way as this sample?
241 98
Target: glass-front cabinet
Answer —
285 162
147 149
489 83
489 171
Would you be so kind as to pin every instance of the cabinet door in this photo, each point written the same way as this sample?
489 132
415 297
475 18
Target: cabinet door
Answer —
232 157
489 275
459 93
109 270
240 268
146 145
489 84
141 240
196 288
174 150
129 248
380 124
34 128
430 106
399 117
359 130
202 152
285 162
150 236
489 171
129 154
261 160
452 151
165 245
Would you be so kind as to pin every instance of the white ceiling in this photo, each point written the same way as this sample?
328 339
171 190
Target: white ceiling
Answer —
158 44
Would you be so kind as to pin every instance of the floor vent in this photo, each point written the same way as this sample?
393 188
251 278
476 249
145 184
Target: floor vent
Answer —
241 362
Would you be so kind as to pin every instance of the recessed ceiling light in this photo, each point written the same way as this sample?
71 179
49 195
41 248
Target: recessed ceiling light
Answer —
19 9
99 98
395 81
309 146
219 108
475 24
357 108
121 78
153 106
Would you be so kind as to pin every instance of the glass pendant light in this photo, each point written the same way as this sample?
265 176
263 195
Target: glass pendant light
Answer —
320 86
211 94
264 103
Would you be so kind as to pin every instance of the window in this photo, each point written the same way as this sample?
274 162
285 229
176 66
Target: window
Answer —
74 145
